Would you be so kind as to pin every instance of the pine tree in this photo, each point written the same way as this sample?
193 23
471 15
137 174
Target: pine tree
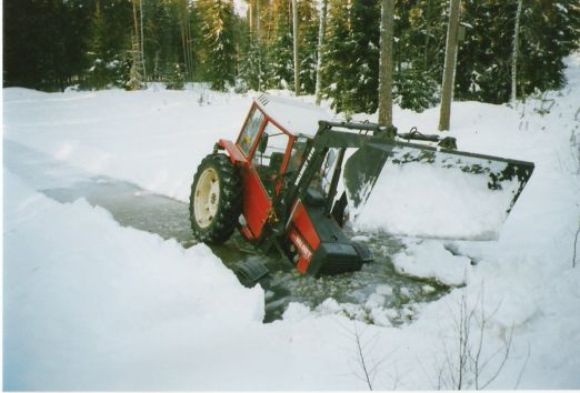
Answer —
353 55
135 81
98 74
280 52
253 50
217 26
336 67
550 30
308 26
418 53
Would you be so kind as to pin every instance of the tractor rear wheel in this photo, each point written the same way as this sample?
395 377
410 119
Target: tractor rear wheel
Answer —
215 202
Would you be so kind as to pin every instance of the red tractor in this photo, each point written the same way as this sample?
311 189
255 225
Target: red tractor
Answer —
278 183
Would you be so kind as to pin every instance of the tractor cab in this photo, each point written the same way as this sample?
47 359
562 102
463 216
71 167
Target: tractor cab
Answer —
271 144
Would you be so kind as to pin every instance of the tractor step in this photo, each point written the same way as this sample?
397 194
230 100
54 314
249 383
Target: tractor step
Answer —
250 272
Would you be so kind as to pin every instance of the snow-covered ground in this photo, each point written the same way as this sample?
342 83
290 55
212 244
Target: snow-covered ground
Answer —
91 305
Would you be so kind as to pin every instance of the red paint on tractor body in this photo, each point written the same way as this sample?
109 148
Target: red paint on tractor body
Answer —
304 237
256 203
233 150
303 224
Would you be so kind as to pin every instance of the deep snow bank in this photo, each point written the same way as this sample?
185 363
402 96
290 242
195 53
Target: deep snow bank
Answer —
84 297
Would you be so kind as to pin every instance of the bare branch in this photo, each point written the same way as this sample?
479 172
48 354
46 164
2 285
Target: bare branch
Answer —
361 358
523 367
575 247
503 361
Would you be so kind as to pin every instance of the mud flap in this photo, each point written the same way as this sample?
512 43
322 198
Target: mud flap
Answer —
421 190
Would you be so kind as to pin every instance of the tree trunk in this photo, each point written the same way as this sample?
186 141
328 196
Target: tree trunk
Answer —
321 32
259 44
186 39
295 34
450 64
135 24
142 41
386 64
516 45
250 17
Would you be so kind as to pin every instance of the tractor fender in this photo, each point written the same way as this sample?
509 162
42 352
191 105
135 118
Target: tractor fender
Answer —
234 153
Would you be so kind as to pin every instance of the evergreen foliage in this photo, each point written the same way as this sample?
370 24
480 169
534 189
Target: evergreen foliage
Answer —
219 54
353 55
52 44
176 79
308 25
281 74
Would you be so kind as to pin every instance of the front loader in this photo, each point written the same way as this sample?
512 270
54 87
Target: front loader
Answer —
293 177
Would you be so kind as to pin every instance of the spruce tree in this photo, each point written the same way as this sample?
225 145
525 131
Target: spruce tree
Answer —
337 69
280 51
217 27
308 26
418 55
253 48
353 55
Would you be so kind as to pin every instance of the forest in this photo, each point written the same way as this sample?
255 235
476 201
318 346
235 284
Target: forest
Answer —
246 45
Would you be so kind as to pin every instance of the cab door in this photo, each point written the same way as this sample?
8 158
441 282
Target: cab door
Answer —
265 146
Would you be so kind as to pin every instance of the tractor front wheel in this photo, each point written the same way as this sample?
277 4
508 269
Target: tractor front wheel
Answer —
215 202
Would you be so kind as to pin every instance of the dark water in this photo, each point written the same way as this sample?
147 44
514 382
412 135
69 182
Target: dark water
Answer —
131 206
376 287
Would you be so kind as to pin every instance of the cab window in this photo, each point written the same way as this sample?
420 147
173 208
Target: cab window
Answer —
248 135
269 156
297 154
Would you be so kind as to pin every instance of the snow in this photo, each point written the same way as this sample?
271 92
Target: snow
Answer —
426 200
91 305
430 259
295 116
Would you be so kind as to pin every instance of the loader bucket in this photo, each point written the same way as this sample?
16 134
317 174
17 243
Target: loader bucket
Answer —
422 191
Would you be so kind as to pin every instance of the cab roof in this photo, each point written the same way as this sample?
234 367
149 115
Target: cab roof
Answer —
298 118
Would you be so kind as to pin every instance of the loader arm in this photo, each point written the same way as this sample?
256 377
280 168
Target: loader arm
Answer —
376 145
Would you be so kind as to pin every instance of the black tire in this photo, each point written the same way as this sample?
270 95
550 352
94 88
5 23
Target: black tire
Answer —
213 219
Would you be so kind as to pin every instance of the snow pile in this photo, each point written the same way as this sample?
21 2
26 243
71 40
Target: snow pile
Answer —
84 296
430 259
